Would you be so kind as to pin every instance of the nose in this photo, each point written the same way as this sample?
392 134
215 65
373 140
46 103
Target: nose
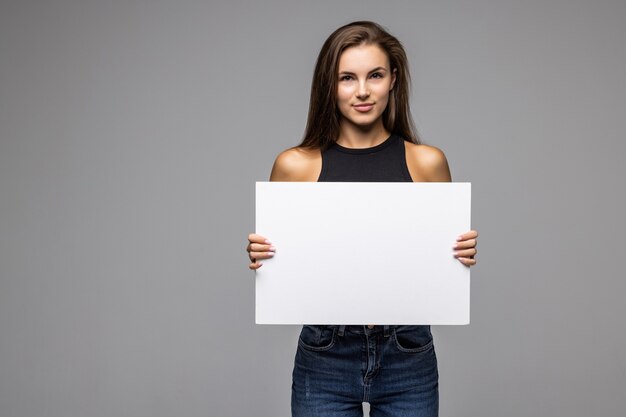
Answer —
363 91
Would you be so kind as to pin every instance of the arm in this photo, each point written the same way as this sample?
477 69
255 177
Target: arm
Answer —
435 168
291 165
259 247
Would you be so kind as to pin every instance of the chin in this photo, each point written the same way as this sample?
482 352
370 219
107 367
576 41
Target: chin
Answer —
365 121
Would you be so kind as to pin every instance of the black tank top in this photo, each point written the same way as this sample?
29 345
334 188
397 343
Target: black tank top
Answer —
385 162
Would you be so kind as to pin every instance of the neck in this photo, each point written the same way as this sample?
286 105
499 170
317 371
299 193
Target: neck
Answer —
352 136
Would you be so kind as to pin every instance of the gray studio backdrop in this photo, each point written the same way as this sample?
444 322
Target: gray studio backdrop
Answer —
131 135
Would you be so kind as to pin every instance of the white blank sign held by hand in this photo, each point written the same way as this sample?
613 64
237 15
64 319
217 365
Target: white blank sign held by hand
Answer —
362 253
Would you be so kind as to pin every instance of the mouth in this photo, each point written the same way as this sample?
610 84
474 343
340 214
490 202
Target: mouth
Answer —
363 107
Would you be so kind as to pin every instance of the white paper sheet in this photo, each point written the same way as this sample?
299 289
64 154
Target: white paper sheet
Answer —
362 253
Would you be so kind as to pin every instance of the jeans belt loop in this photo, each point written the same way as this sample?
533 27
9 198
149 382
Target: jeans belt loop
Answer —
387 331
342 328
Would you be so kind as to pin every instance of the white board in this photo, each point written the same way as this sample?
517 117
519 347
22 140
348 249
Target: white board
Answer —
362 253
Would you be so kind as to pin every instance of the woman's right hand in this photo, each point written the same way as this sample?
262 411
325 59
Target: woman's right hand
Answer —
259 248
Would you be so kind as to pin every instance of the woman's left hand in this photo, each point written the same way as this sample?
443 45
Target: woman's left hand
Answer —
466 248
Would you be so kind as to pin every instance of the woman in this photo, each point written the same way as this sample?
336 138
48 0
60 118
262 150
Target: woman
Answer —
359 128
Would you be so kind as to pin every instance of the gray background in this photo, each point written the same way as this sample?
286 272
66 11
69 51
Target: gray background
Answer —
131 135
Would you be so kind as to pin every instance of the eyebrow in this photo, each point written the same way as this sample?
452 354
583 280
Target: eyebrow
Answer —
374 70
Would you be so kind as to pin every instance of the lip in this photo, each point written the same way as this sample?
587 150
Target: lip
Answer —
364 107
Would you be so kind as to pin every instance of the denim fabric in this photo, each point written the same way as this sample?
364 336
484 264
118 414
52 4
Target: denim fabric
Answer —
393 368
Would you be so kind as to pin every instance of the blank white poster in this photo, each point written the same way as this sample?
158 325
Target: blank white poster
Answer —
362 253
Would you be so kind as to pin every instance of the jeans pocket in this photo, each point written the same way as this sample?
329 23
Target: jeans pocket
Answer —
412 339
317 338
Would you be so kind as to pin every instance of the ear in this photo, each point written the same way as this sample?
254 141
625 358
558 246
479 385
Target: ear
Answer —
393 78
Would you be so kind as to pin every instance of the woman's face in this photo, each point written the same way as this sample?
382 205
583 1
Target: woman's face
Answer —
364 83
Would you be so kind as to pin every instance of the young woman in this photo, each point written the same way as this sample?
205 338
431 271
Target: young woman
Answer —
360 128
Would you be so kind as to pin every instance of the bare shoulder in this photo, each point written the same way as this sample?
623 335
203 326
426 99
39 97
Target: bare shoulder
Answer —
297 164
427 163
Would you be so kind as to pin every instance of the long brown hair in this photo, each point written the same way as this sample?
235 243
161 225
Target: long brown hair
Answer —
322 128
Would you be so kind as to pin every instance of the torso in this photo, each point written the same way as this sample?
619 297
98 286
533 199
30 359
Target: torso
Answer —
422 163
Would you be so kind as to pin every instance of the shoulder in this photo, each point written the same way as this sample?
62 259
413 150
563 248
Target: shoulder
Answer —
427 163
297 164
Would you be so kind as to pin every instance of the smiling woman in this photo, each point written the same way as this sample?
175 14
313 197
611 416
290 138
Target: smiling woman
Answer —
359 128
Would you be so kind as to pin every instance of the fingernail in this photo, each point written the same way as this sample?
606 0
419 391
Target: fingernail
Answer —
267 242
456 254
272 249
456 246
459 238
270 253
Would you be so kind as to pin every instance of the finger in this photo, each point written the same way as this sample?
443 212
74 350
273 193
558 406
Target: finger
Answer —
254 238
260 255
465 244
465 253
255 265
467 261
472 234
257 247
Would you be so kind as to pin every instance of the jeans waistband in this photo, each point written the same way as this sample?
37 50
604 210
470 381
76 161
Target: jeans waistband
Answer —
385 329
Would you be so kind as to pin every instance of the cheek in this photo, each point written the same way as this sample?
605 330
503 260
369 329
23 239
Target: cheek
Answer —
344 93
383 93
383 89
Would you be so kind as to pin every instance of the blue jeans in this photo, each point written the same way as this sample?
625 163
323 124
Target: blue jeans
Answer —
337 368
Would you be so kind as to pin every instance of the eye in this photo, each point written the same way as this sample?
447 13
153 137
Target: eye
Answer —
345 78
377 75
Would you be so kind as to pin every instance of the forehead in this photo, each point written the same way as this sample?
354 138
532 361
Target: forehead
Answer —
362 58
